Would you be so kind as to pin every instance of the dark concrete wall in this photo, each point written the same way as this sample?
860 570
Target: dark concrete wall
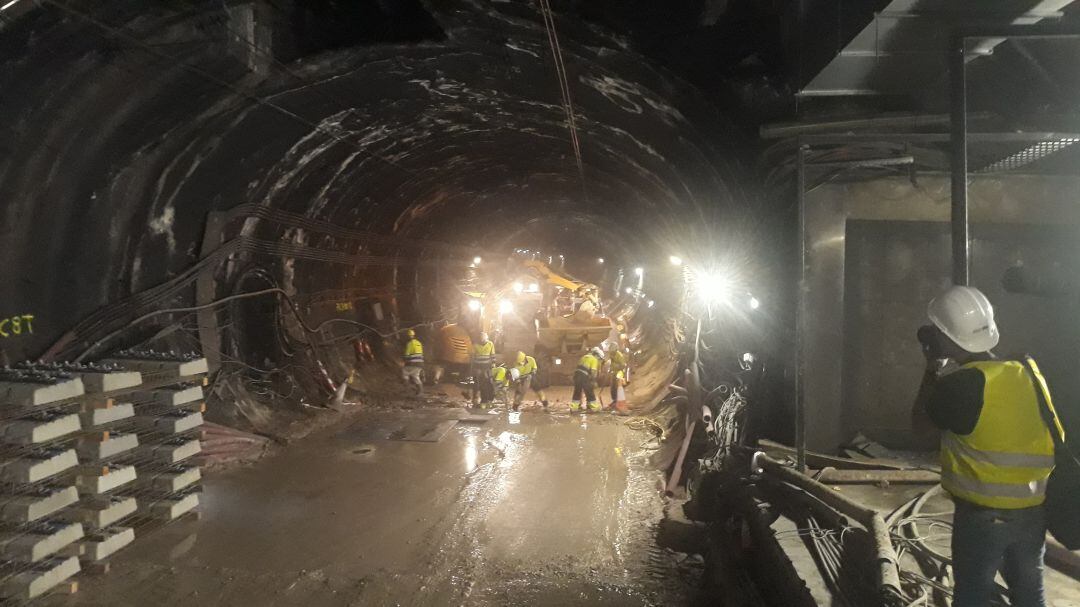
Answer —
893 268
878 250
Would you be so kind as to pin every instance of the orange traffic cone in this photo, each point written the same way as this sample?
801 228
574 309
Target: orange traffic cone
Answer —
620 405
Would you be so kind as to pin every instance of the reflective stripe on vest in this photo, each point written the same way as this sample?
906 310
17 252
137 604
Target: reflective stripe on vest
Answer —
1006 460
483 354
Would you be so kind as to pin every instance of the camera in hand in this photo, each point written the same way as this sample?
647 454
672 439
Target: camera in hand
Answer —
930 339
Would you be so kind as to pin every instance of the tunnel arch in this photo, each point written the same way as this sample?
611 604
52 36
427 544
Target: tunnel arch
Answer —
115 150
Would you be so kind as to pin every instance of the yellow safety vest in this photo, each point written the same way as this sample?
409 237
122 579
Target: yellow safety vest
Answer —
498 374
527 368
1006 460
589 365
414 353
483 354
618 361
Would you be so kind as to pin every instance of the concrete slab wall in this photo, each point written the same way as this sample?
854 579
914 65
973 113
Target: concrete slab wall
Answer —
878 250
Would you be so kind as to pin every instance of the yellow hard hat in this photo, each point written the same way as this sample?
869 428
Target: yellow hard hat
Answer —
520 358
410 333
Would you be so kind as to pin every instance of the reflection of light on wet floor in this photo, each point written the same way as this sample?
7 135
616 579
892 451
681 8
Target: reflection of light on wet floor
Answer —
470 453
507 448
514 418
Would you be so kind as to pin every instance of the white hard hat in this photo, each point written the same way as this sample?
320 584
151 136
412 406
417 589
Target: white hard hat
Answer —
965 316
597 352
514 374
483 336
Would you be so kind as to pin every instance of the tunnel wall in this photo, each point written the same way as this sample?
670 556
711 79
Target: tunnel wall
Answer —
879 250
114 154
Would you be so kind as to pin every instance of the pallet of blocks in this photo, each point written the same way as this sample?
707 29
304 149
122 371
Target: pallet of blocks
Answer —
168 419
39 432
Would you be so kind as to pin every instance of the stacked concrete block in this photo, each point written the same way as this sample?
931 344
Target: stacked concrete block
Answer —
39 425
103 478
88 454
168 420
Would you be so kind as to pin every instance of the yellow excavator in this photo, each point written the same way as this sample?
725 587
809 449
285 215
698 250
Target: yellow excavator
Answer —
569 320
556 323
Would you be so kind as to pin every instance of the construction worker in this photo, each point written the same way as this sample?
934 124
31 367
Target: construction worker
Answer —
997 451
413 368
585 380
527 377
500 382
483 357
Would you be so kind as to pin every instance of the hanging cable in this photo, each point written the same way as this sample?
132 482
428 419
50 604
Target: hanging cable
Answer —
564 86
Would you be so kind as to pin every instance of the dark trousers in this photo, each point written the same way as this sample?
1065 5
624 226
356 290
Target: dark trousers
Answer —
583 385
987 540
483 386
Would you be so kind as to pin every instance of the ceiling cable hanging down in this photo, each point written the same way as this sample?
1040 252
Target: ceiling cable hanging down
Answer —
564 86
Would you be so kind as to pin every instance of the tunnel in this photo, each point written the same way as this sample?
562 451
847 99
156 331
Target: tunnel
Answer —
223 222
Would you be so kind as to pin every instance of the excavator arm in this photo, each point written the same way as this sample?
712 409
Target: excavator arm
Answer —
554 278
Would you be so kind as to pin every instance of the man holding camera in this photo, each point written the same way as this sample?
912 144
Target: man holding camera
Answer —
996 449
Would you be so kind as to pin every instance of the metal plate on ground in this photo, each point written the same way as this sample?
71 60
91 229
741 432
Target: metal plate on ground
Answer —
423 430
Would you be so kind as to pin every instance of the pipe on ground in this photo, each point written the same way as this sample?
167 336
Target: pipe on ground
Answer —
869 518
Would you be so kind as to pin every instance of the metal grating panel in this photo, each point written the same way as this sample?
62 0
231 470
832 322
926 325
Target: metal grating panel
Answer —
1028 155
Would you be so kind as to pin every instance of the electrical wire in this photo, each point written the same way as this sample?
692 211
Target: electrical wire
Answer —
564 87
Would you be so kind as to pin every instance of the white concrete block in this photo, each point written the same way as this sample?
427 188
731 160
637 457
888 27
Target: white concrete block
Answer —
110 381
99 417
38 428
37 504
105 542
98 512
171 451
38 465
92 449
173 368
173 422
39 541
172 508
91 481
172 480
39 579
172 396
29 394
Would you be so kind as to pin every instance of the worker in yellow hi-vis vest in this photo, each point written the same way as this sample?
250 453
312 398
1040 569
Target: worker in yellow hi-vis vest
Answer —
997 449
528 377
585 380
412 370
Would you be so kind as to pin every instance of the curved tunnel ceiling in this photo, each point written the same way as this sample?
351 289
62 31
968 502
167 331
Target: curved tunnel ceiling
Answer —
116 145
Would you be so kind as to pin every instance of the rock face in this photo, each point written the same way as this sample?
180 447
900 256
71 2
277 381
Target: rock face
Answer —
122 127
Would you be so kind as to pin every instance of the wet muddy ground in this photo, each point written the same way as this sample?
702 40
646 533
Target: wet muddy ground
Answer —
524 509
